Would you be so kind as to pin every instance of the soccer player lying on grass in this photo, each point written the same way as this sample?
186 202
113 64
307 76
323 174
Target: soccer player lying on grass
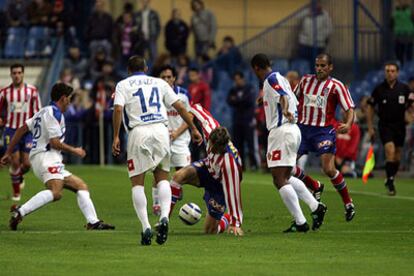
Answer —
220 173
48 129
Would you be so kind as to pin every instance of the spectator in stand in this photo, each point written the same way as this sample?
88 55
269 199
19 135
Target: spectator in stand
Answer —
38 14
229 56
67 77
204 27
198 89
129 39
293 78
323 30
16 17
242 98
96 65
262 132
403 28
99 29
76 63
347 150
16 12
162 60
176 34
183 63
62 22
148 21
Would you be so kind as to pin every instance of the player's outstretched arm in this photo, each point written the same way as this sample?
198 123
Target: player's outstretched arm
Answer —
188 118
56 144
16 138
116 123
176 133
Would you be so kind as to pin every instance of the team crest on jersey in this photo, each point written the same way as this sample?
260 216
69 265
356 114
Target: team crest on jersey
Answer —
277 87
131 166
401 99
276 155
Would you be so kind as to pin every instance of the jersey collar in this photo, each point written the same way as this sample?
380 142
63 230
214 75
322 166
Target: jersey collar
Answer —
269 74
138 74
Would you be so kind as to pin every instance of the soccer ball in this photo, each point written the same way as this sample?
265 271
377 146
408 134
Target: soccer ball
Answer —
190 213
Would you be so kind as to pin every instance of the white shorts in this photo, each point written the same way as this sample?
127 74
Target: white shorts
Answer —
48 165
180 155
283 146
148 147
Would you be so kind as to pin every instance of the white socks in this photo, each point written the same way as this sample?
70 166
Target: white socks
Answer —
86 205
155 198
38 200
140 204
303 193
291 201
164 194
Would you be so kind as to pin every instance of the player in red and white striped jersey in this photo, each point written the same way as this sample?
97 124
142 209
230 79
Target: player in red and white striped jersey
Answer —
220 174
18 102
318 97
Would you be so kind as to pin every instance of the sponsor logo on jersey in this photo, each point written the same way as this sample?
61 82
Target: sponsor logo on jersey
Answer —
276 155
131 166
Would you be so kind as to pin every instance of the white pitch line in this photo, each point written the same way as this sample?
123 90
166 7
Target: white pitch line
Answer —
120 169
23 232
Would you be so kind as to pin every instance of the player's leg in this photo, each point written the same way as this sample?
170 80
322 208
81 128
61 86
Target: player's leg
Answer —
164 194
211 225
186 175
290 199
338 181
25 146
318 209
15 175
156 208
52 193
78 186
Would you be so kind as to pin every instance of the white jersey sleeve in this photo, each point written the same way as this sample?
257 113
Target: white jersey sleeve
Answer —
119 95
169 95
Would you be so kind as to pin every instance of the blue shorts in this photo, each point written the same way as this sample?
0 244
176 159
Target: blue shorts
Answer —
25 143
213 191
317 139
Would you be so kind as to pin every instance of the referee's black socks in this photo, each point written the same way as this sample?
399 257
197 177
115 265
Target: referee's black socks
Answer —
390 170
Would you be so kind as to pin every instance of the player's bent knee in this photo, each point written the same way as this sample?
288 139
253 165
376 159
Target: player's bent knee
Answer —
57 195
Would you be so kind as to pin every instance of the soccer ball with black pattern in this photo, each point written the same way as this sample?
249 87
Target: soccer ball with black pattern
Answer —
190 213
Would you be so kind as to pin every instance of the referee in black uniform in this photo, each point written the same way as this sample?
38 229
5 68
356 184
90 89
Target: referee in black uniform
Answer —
390 100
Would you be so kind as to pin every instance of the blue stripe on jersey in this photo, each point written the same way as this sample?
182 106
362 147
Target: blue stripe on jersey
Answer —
271 78
56 112
180 90
279 114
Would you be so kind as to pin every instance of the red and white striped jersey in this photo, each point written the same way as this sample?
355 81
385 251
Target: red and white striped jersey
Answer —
318 100
226 168
19 104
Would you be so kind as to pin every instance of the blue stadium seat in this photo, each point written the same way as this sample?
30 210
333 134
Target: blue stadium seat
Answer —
15 42
359 89
409 68
281 65
375 77
301 66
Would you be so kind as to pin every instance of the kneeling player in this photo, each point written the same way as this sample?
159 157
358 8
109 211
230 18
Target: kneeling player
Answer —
48 129
197 175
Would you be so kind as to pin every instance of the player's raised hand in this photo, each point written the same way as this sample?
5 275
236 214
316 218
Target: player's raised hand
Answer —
4 160
116 147
196 136
79 152
237 231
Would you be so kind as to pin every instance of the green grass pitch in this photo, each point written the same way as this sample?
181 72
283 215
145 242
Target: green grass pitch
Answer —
53 241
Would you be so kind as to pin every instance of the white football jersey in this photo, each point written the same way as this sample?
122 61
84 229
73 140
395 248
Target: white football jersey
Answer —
46 124
275 86
144 99
175 120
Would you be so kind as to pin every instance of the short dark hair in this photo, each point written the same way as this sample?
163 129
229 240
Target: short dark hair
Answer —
136 64
60 89
219 139
394 63
169 67
17 65
327 56
261 61
238 73
194 69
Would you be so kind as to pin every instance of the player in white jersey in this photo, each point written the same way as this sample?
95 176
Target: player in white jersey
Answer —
48 129
18 102
179 133
142 101
283 143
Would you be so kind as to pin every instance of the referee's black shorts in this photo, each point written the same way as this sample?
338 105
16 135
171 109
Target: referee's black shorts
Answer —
392 133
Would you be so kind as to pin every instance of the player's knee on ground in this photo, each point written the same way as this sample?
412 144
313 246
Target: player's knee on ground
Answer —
56 195
210 227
